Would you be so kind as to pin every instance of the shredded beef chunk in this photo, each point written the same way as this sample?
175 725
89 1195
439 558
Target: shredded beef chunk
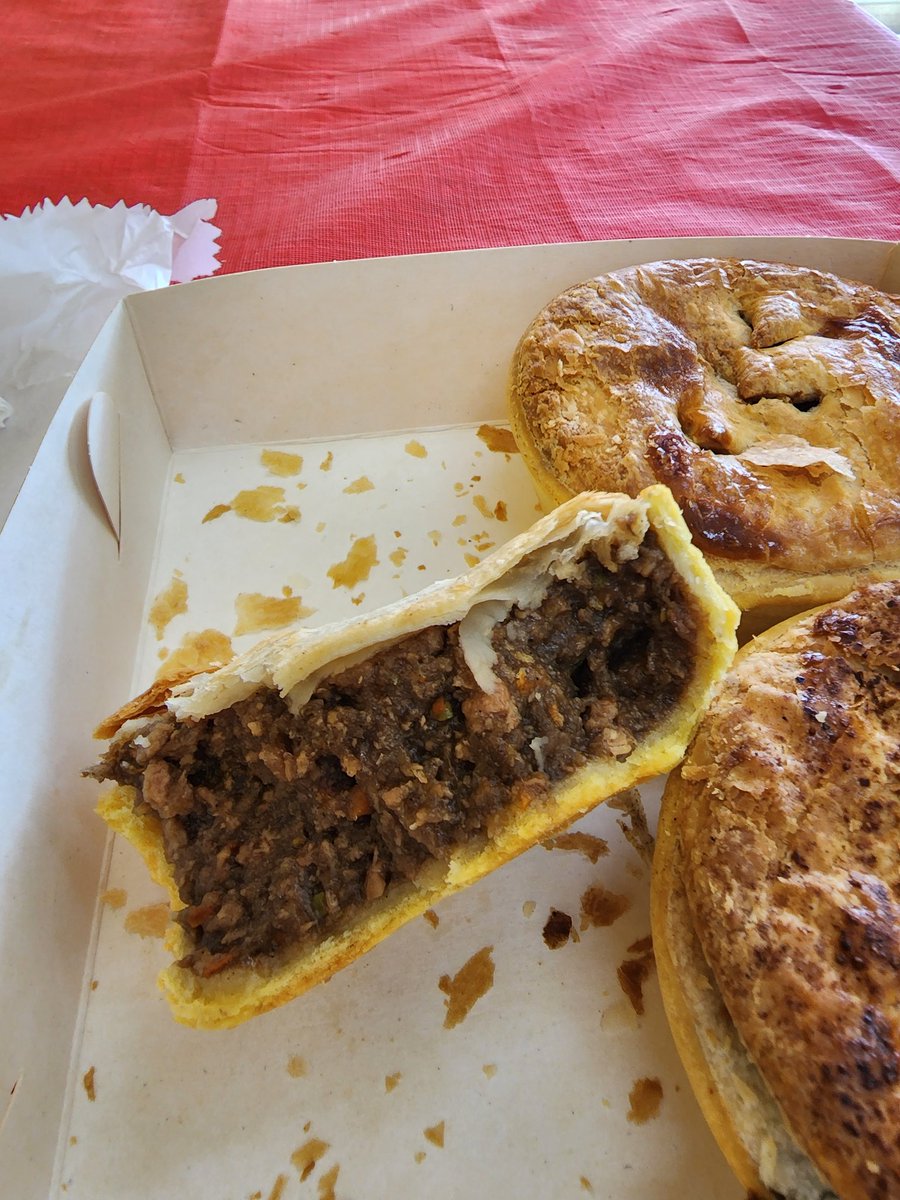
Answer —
279 826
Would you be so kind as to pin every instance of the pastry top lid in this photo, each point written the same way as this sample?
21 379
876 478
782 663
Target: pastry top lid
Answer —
612 525
766 396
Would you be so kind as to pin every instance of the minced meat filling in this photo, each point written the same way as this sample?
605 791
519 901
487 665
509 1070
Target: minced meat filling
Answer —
279 826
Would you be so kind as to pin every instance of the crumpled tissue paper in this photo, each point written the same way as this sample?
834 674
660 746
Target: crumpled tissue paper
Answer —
63 269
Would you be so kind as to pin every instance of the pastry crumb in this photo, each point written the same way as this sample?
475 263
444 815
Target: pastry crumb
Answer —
557 929
168 604
633 972
279 462
149 921
278 1187
326 1184
363 484
306 1156
644 1100
256 612
357 566
602 907
435 1134
474 978
263 503
217 510
587 844
501 441
201 651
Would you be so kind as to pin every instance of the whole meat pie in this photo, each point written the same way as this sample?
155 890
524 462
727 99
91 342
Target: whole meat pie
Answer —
766 396
776 905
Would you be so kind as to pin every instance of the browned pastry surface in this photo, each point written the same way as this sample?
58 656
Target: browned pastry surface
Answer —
766 396
791 836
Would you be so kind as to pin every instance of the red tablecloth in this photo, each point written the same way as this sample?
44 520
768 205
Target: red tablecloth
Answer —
330 129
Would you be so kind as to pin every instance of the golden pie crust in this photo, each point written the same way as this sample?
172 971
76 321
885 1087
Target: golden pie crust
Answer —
766 396
781 831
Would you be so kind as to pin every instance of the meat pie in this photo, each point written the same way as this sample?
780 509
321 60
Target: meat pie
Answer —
776 905
320 790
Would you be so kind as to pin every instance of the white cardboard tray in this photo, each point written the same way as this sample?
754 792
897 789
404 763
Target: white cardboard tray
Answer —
377 374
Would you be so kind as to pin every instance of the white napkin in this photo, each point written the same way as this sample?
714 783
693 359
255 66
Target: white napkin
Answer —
63 269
